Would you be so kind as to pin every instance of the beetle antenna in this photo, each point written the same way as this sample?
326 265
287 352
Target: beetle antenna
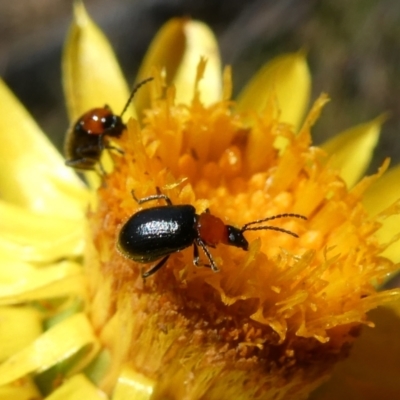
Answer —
134 90
271 228
245 227
287 215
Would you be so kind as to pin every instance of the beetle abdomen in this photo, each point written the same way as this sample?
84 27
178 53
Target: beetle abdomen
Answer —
155 232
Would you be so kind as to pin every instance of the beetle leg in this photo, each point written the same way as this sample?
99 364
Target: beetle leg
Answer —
212 264
117 149
196 258
87 164
102 172
155 268
103 144
74 163
158 196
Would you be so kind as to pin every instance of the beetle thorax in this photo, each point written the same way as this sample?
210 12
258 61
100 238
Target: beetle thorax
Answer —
212 230
97 121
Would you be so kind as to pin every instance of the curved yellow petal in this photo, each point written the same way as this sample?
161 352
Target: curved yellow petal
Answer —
289 78
352 149
383 193
42 251
200 44
29 236
165 52
99 367
78 387
23 389
177 49
19 327
91 75
32 172
55 345
24 226
132 385
21 282
372 370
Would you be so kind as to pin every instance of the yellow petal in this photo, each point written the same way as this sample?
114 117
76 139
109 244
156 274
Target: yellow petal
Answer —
91 75
55 345
287 76
177 49
384 192
200 43
19 326
132 385
165 52
32 173
352 149
99 367
23 389
77 388
25 227
20 282
42 252
372 371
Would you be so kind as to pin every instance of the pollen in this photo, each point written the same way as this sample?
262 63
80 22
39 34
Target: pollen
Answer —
271 314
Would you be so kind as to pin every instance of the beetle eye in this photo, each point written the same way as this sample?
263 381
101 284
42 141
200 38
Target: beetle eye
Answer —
109 121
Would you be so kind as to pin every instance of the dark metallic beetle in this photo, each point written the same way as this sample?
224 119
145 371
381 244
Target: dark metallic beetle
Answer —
157 232
87 139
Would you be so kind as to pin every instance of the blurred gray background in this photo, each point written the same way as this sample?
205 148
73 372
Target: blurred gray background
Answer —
353 51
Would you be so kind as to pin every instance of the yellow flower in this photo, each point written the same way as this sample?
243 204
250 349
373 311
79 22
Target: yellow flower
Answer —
274 321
